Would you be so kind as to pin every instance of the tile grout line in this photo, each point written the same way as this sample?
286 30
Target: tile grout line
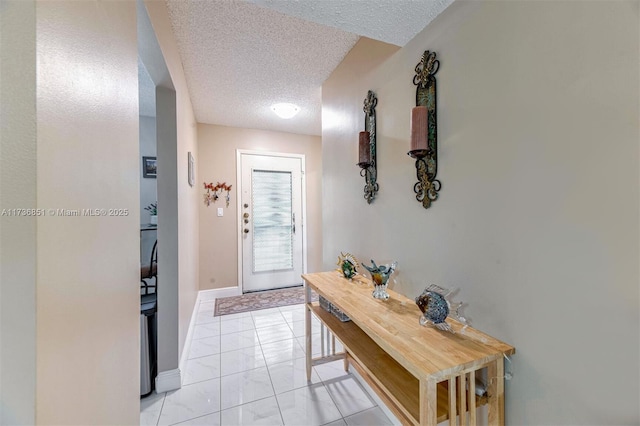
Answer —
220 380
275 396
267 366
332 399
161 408
325 386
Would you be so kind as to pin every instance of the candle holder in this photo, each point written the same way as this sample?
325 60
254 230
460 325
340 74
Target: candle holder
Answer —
367 148
424 141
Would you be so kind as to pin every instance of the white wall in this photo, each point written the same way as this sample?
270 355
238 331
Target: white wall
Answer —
168 236
87 275
187 197
537 220
17 233
148 186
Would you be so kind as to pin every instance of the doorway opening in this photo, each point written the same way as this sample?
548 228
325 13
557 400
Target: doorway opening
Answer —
165 124
271 228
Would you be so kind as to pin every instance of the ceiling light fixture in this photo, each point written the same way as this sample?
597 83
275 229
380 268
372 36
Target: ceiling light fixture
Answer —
285 110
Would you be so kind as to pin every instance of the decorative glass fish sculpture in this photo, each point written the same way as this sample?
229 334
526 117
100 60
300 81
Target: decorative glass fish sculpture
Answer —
348 264
380 275
436 307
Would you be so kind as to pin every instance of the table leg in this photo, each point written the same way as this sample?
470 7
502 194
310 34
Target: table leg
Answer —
428 402
496 392
307 327
453 414
472 398
462 398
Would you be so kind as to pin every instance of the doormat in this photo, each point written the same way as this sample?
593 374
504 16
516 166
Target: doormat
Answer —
261 300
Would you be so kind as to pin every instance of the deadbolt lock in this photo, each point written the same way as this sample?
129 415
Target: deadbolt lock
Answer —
246 215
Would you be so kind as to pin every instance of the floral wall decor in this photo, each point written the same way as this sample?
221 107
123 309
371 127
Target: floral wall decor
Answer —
214 192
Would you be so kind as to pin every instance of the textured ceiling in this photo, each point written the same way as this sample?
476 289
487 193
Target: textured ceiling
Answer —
392 21
240 57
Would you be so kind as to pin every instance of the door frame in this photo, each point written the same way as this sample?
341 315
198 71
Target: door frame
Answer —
303 190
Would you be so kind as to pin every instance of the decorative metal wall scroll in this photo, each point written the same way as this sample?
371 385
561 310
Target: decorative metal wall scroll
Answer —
424 141
367 148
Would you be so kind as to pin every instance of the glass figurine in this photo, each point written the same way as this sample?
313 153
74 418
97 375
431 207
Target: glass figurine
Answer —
380 275
436 307
348 265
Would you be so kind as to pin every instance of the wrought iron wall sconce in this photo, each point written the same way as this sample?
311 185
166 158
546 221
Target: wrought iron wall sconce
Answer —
424 134
367 148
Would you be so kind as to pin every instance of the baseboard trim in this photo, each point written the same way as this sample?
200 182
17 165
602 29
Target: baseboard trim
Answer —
216 293
187 341
203 296
168 380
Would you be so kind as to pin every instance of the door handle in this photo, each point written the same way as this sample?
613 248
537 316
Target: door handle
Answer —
293 222
246 231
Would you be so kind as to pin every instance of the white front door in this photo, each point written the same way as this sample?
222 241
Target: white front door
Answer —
271 221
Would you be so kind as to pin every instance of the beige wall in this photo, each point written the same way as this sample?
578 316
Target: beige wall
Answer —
78 276
187 219
87 267
217 147
18 146
537 220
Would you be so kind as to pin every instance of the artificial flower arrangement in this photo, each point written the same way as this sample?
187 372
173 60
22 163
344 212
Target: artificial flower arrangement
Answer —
152 209
212 192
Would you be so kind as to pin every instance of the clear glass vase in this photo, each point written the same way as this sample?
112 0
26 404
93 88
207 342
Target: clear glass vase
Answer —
380 275
380 292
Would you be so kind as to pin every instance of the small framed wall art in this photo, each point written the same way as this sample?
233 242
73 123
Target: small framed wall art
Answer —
149 167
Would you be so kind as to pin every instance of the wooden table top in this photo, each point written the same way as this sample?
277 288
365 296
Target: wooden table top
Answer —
394 325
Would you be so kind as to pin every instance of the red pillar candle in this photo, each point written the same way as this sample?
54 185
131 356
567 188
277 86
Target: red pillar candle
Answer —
419 128
364 149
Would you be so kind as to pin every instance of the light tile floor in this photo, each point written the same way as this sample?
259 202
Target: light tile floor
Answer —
249 369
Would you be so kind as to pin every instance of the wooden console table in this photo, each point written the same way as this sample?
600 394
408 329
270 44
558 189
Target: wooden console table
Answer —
423 375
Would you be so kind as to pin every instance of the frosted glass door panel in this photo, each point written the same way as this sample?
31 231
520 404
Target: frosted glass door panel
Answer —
272 221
